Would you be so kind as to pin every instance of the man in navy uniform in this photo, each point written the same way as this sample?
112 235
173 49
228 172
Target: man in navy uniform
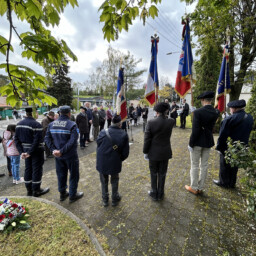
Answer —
201 141
61 138
157 147
29 142
238 127
112 150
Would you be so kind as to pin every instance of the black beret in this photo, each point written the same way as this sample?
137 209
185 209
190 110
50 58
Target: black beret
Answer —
206 95
237 104
29 109
65 109
116 119
161 107
82 107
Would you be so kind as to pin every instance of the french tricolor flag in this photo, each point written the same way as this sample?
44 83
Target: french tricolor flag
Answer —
152 82
121 100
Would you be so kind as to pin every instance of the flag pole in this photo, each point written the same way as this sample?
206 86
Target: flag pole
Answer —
226 66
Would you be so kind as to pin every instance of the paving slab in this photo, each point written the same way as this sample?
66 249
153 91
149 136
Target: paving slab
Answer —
215 223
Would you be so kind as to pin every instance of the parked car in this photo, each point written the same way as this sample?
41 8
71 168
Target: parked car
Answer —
21 113
55 110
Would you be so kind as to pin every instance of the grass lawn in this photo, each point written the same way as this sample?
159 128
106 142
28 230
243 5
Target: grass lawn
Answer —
188 121
51 233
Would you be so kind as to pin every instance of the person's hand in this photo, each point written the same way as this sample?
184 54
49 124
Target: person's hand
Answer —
56 153
190 149
146 157
90 121
25 155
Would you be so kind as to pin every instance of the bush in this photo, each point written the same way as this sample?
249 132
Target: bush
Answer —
242 156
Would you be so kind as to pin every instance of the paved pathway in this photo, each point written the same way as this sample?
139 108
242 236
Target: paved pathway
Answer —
215 223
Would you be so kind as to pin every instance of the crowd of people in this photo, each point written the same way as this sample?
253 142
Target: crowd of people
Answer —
58 137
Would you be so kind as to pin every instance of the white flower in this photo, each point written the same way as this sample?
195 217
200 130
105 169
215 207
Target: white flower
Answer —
2 227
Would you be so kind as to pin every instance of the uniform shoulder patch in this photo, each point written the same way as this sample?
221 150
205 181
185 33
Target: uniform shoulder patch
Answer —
59 123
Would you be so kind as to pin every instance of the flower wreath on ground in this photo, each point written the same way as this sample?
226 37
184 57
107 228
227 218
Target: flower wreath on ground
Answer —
13 215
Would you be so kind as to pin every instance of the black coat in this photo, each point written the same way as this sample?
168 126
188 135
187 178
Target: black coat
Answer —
204 120
157 136
174 114
237 126
82 123
95 118
145 113
108 160
185 110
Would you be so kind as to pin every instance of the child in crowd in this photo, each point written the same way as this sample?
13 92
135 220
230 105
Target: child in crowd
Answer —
12 153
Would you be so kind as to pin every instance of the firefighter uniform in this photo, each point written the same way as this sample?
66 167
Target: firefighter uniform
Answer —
29 139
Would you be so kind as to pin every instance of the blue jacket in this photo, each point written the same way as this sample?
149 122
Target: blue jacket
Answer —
108 160
89 114
237 126
29 136
62 135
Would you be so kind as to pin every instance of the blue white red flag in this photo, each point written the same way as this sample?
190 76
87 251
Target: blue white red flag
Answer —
121 100
223 86
151 92
184 74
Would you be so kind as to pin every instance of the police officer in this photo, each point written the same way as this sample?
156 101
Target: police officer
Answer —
61 138
112 150
29 142
201 141
237 126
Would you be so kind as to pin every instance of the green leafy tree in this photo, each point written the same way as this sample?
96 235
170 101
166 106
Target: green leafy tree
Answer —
210 21
37 44
207 70
61 86
118 15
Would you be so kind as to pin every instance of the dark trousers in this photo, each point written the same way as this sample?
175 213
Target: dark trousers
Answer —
182 120
34 170
227 174
82 139
158 171
114 179
47 151
62 167
174 117
87 135
102 124
9 166
109 122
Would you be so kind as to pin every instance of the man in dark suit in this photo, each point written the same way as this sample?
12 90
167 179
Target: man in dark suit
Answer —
184 114
157 147
201 141
112 150
237 126
174 113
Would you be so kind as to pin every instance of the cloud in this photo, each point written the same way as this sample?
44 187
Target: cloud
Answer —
81 29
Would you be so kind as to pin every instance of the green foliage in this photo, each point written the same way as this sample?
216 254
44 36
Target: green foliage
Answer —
118 15
61 86
210 21
133 94
244 157
37 44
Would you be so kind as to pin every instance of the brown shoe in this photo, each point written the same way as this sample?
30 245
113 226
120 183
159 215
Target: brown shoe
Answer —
200 191
188 188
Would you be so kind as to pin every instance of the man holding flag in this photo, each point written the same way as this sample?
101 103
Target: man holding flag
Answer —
151 93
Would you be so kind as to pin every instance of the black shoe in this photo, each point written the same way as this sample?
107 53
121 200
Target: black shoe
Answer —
40 192
63 195
105 203
217 182
160 198
116 200
77 196
150 193
29 193
82 147
2 174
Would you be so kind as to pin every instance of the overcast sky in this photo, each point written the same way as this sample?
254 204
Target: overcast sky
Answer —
81 29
